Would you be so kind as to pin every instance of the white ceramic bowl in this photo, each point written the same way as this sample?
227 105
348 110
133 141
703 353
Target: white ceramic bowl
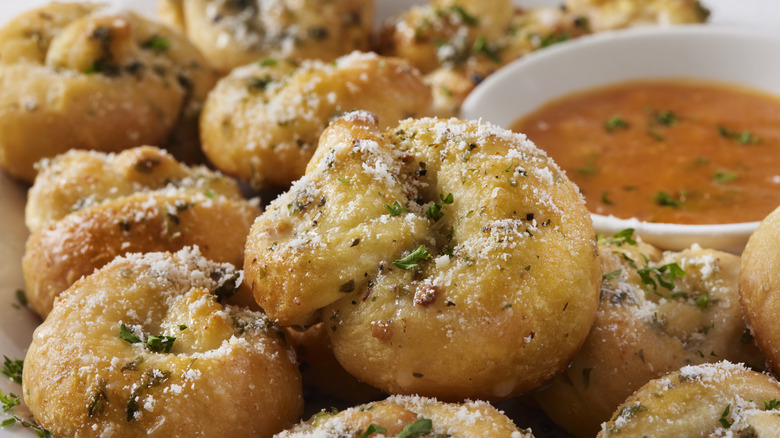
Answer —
718 54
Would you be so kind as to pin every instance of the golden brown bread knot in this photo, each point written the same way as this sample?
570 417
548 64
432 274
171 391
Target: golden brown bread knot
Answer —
411 416
262 122
447 258
709 400
144 347
658 312
76 75
759 286
232 33
88 207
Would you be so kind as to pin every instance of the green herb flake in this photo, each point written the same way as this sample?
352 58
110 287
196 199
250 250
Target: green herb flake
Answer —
127 335
39 431
258 84
160 344
723 177
395 209
157 44
481 46
664 199
666 117
509 168
99 400
12 368
372 429
703 299
21 298
344 180
655 134
662 276
9 401
622 237
410 261
434 212
615 123
605 198
611 275
465 16
723 420
421 427
267 62
741 137
553 38
182 327
629 411
771 404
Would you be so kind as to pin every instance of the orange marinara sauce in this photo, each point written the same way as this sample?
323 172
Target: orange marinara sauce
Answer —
666 151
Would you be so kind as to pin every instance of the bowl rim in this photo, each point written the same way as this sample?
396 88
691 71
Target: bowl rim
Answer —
733 235
612 37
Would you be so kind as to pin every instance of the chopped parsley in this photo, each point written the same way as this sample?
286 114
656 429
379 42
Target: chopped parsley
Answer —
553 38
103 66
509 168
9 401
665 117
259 84
664 199
21 298
372 429
160 344
655 134
155 343
99 400
41 432
622 237
629 411
481 46
663 276
410 261
723 420
605 198
421 427
127 335
723 177
434 211
267 62
771 404
465 16
12 368
344 180
157 44
703 300
614 123
150 379
611 275
743 137
395 209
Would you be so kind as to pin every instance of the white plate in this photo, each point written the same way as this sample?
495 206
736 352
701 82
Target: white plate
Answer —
17 325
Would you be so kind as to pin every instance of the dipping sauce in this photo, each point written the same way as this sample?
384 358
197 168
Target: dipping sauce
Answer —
680 152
